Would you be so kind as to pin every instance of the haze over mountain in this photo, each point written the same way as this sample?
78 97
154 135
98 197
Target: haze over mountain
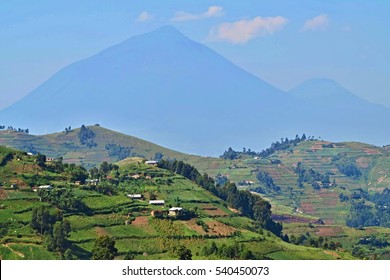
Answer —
326 92
166 88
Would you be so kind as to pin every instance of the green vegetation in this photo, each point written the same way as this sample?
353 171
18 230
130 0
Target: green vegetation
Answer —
88 146
104 248
249 204
77 220
86 137
283 145
333 191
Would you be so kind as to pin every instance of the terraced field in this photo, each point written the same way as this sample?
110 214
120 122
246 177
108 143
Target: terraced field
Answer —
130 222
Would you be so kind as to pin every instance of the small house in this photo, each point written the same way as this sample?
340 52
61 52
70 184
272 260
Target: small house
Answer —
175 211
45 187
135 176
92 182
156 202
151 162
30 154
134 196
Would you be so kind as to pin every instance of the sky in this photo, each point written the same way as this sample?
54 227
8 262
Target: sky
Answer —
283 42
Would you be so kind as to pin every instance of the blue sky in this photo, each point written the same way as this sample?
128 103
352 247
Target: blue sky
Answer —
283 42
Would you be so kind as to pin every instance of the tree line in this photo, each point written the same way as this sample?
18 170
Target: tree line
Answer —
282 145
26 130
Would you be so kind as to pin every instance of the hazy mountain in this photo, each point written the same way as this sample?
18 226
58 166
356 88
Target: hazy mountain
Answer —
326 92
166 88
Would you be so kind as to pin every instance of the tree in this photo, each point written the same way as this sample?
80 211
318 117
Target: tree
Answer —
42 220
104 248
41 160
184 253
58 241
158 156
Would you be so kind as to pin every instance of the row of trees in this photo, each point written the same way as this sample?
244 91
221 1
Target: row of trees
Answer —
248 204
15 129
232 251
310 241
283 145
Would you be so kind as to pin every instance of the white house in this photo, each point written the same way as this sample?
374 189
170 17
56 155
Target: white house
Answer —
156 202
45 187
175 211
151 162
134 196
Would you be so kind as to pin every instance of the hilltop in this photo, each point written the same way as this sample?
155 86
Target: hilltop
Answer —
100 145
78 212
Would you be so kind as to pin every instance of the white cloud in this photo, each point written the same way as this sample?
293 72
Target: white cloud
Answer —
240 32
212 11
144 16
320 22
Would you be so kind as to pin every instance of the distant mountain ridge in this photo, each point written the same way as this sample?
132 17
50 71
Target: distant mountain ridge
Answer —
328 92
163 87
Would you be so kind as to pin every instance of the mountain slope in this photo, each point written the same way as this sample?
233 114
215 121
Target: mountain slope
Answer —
110 146
160 86
329 93
163 87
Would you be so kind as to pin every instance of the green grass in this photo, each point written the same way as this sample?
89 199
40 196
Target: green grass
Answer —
152 238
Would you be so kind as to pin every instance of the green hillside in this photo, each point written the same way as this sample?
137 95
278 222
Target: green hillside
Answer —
66 221
338 191
91 148
358 176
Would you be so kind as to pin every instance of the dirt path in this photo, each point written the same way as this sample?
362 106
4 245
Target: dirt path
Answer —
13 251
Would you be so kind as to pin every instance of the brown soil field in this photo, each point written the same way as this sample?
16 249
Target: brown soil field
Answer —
329 231
3 194
140 221
331 197
193 226
307 207
100 231
292 219
370 151
362 162
219 228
